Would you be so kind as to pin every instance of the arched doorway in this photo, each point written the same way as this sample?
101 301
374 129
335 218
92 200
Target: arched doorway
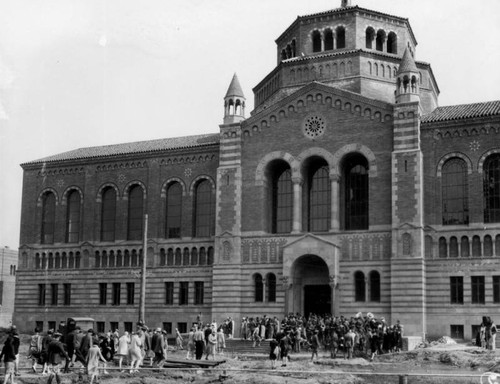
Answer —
312 292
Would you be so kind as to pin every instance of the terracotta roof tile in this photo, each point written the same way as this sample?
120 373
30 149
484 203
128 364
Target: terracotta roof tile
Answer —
131 148
463 111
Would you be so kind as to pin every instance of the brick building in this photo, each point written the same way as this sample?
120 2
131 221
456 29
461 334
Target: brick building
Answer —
346 189
8 268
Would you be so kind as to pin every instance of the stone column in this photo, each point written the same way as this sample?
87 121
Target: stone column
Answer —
334 308
297 205
334 219
287 286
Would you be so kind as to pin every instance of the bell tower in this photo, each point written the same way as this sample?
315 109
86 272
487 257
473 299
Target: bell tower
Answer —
234 102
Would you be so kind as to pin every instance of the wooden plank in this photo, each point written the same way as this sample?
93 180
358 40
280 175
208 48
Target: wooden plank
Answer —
199 363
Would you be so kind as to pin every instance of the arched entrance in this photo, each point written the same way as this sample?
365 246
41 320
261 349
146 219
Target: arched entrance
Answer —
312 291
311 275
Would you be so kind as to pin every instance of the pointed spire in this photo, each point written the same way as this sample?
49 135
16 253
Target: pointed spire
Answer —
234 89
407 63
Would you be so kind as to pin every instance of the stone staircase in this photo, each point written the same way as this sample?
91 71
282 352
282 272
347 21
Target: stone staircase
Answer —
241 346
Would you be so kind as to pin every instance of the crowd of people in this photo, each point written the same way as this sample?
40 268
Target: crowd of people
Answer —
362 335
359 335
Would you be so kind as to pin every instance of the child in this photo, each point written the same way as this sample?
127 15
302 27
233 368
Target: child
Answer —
93 357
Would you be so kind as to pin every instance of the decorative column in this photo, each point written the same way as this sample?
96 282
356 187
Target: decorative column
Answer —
334 219
287 286
297 205
334 306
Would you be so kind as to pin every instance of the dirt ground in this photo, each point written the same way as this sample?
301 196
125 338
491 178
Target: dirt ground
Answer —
442 363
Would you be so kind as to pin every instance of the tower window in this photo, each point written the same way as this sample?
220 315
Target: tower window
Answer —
370 36
328 40
316 41
340 34
174 211
380 40
392 43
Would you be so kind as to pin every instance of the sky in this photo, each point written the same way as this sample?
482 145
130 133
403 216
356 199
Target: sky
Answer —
86 73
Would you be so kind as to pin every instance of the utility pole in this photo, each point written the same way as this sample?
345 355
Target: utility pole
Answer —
142 304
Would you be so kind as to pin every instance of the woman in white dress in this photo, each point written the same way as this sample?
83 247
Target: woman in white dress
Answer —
123 347
135 352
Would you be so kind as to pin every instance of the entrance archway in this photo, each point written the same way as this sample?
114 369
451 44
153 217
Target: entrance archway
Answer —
312 292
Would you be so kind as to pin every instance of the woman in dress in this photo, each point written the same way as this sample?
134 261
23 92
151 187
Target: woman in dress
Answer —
123 347
135 353
212 342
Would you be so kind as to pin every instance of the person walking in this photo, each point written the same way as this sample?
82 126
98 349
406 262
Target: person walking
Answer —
274 352
493 334
314 345
135 352
123 348
56 353
93 357
178 340
35 349
9 358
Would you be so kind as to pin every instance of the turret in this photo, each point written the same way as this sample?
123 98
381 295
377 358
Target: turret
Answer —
407 80
234 102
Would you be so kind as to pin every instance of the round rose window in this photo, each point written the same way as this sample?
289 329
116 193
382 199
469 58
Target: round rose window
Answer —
314 126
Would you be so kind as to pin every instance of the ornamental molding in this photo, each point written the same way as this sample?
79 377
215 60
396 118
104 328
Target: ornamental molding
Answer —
61 171
452 133
123 165
190 159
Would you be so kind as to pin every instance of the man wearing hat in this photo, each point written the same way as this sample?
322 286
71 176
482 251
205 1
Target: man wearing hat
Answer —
56 353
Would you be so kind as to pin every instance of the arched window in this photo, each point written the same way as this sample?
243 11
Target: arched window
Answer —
170 257
443 248
194 256
328 40
163 257
283 54
340 35
108 214
185 256
464 247
203 256
73 217
271 288
370 36
135 213
454 192
259 288
374 286
392 43
294 48
204 222
48 218
453 247
380 40
476 246
174 211
487 246
491 188
359 286
178 256
318 197
210 256
316 41
282 199
356 193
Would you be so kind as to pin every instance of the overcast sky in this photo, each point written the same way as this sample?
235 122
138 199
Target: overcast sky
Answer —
84 73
